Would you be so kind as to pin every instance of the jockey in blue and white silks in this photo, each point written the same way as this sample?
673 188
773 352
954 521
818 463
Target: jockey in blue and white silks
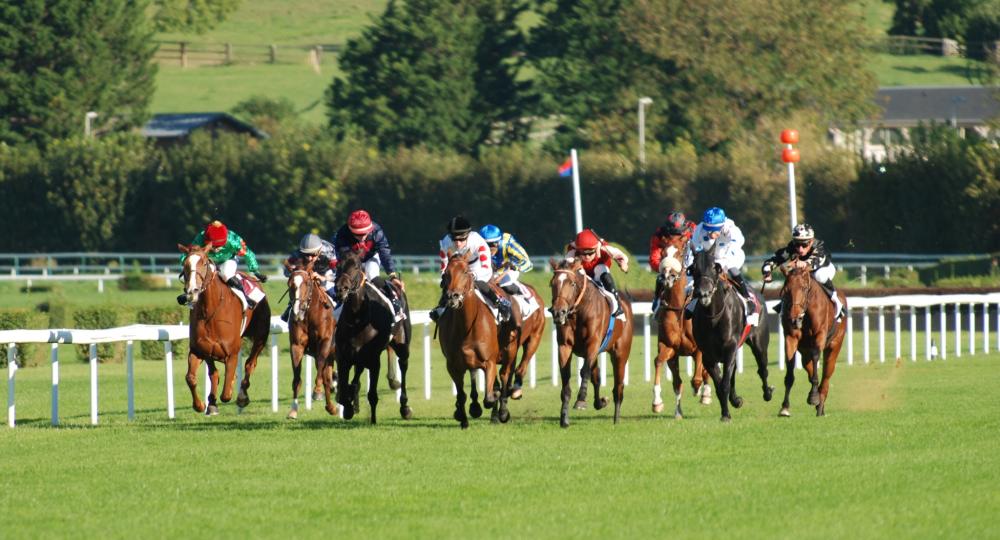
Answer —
718 230
508 256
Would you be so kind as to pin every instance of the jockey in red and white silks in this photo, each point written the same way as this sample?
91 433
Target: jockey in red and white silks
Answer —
461 237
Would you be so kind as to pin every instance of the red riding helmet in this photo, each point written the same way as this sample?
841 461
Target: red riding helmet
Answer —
586 239
360 222
217 233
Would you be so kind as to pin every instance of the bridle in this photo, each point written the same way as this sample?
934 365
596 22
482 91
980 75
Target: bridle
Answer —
807 290
458 297
670 278
305 300
561 316
204 275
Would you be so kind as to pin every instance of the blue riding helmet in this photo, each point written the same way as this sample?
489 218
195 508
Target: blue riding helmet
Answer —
714 218
490 233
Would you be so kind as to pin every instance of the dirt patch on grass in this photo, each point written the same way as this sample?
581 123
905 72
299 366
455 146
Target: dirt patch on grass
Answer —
874 388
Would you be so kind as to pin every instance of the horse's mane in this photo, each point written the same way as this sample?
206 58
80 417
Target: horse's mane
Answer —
350 261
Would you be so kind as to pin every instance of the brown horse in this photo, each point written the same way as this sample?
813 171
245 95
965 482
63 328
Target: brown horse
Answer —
529 338
675 336
217 321
808 317
470 339
582 317
311 328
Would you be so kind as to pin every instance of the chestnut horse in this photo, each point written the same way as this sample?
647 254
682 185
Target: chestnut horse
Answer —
216 330
311 327
530 337
471 339
582 317
719 325
366 328
809 319
675 336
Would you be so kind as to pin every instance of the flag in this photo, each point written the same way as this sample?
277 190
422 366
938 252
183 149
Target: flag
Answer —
566 169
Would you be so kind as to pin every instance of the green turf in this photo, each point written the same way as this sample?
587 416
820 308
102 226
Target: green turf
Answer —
903 452
925 70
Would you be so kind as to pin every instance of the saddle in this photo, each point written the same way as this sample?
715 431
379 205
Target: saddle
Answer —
249 289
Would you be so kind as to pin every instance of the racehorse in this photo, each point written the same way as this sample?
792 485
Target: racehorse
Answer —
471 339
530 337
719 326
808 317
218 324
583 325
311 327
675 336
366 327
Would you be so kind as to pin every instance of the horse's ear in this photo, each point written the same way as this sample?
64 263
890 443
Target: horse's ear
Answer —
183 249
553 263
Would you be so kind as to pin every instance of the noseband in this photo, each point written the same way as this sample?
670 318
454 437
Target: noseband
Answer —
205 275
575 281
307 281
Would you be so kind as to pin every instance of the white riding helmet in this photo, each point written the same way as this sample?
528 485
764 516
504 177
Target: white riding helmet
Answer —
803 233
310 244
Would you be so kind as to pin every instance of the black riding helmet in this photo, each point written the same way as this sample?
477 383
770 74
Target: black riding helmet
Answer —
459 228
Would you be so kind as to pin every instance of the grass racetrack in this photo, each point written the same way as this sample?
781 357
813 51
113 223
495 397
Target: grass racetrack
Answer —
906 450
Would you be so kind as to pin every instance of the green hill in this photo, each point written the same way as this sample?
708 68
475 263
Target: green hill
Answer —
295 26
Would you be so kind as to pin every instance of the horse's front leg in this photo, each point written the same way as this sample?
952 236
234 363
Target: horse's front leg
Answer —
373 371
403 355
662 355
457 378
212 408
829 366
324 369
475 410
243 399
675 371
810 361
297 350
758 346
600 402
729 373
720 384
506 383
344 397
192 381
791 345
618 392
581 395
565 357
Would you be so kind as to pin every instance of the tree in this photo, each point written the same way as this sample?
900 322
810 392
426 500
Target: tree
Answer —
196 16
62 58
439 74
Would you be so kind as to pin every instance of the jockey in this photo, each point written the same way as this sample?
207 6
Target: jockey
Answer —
808 252
508 257
716 229
676 224
461 236
314 248
596 255
226 249
366 238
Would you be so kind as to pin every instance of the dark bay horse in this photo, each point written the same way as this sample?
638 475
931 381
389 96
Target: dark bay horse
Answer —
582 317
217 329
366 328
718 323
809 320
470 340
675 334
311 327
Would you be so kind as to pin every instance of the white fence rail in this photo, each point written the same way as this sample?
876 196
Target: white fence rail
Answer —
863 307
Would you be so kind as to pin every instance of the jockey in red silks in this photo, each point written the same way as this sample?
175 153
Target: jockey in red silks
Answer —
595 255
225 251
676 224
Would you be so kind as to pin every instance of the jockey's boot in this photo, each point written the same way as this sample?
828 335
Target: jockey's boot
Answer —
609 285
777 308
659 290
438 310
511 288
831 291
502 303
234 282
744 290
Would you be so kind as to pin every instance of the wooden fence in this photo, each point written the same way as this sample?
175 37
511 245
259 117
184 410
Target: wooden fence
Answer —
188 54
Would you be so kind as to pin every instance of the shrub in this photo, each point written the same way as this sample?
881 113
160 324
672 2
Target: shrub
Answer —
153 350
98 318
17 319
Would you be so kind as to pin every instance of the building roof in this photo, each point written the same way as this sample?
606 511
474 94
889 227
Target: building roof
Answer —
906 106
167 126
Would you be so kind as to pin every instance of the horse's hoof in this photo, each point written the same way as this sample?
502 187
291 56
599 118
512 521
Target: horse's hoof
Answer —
658 407
199 407
813 399
394 384
475 410
600 403
332 410
726 419
706 400
293 414
821 410
564 422
212 410
243 400
678 416
580 405
406 412
348 412
317 396
737 402
516 393
784 412
464 424
768 393
504 416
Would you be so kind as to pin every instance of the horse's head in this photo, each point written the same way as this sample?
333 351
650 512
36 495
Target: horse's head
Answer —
672 265
705 273
567 284
197 272
350 277
457 280
795 293
300 287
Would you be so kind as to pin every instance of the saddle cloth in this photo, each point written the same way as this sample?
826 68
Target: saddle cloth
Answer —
612 301
527 301
250 289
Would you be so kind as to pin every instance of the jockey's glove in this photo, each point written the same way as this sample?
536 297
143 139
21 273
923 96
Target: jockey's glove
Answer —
260 277
393 276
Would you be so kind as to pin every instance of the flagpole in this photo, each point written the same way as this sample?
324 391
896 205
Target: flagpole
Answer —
576 191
